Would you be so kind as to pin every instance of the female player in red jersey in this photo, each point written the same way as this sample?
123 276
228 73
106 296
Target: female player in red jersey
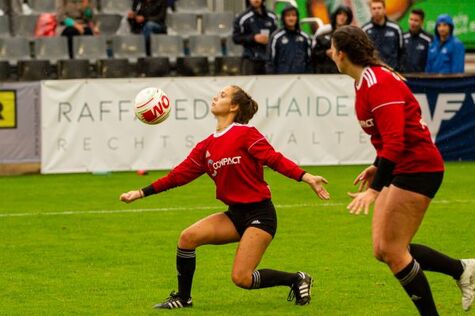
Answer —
234 156
406 174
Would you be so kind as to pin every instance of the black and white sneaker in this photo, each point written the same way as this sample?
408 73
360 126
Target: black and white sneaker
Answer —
174 301
301 289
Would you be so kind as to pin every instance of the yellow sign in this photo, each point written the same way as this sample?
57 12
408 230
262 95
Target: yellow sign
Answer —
8 109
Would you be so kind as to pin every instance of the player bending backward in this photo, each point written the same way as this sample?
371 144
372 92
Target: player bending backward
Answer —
233 157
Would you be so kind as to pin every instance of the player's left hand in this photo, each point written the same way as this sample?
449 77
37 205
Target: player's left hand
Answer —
362 201
316 183
131 196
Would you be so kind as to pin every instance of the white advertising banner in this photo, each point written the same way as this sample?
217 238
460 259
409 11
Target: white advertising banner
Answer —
89 125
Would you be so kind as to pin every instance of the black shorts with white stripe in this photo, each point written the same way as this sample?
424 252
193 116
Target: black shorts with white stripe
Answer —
261 215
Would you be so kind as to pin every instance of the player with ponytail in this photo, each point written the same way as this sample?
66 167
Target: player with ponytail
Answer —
405 176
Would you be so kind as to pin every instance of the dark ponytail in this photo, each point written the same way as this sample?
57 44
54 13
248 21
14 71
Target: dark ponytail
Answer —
247 106
357 46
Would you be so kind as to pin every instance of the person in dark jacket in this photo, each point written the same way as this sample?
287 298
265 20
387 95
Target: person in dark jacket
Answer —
321 49
289 47
251 30
385 35
446 53
148 17
417 42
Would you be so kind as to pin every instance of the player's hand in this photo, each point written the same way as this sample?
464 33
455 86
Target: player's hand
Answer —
362 201
316 183
131 196
365 178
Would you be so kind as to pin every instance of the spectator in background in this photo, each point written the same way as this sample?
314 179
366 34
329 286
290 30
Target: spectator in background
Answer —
148 17
417 42
446 53
321 50
385 35
77 17
289 47
252 29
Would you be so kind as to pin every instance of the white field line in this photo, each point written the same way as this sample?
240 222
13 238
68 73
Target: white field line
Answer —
174 209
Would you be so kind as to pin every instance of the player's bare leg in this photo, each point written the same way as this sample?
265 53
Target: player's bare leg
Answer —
215 229
252 246
397 217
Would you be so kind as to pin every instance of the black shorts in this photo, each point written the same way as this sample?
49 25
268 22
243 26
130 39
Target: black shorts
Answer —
425 183
260 214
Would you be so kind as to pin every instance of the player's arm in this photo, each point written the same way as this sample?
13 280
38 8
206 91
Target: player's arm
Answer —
388 112
260 149
188 170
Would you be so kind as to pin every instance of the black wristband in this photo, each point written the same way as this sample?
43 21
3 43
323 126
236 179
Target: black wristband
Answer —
376 162
149 190
384 175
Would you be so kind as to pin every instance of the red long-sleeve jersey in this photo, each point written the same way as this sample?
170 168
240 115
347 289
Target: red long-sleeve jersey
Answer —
388 111
234 159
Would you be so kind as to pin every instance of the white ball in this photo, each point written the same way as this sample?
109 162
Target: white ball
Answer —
152 106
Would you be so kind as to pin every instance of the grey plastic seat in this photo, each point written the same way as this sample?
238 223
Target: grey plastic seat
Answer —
89 47
192 66
51 48
4 70
114 68
205 45
4 26
228 65
153 67
131 46
218 23
233 49
108 24
43 5
116 6
13 49
73 69
33 70
170 46
24 25
183 24
192 6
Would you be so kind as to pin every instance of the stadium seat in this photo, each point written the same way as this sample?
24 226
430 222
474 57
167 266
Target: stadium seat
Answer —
24 25
107 24
233 49
183 24
192 66
33 70
129 46
205 45
227 66
4 26
90 47
51 48
170 46
153 66
4 70
192 6
218 23
116 6
13 49
114 68
43 5
73 69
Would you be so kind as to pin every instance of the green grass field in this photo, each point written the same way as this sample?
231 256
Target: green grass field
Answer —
69 247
